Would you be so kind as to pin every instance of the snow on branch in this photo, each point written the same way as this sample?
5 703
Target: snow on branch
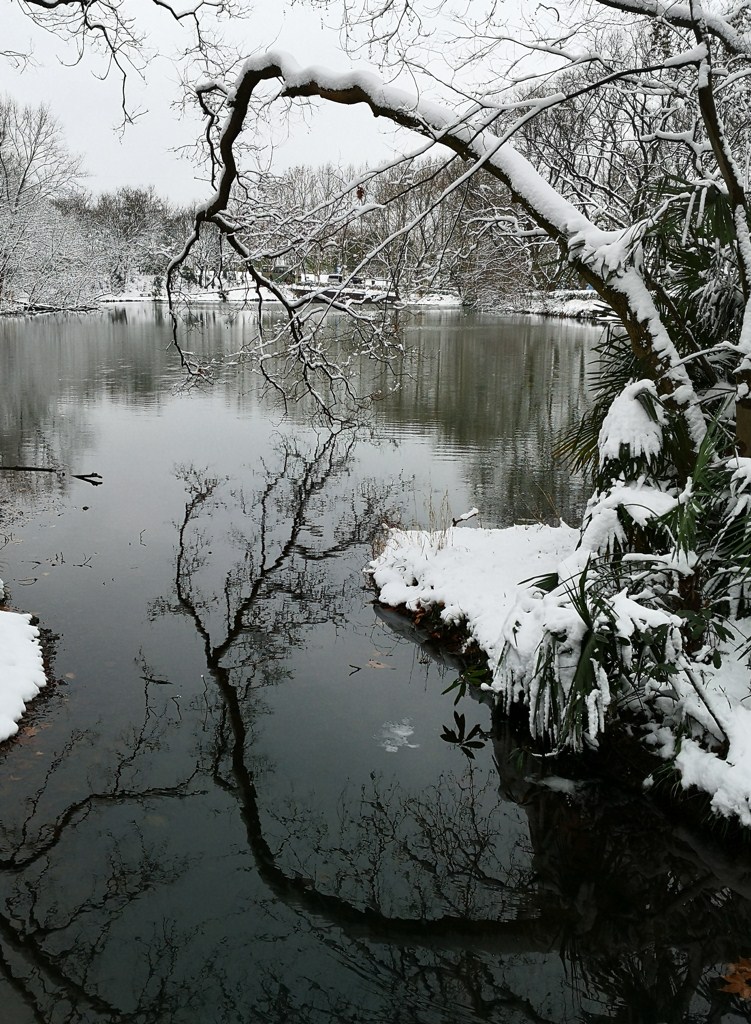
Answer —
683 16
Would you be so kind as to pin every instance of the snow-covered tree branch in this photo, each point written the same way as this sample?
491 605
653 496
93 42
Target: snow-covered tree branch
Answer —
607 260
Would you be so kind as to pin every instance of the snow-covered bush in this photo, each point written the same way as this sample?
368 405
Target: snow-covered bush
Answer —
649 599
581 649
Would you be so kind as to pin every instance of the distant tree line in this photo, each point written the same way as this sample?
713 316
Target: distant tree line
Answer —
418 229
63 246
60 245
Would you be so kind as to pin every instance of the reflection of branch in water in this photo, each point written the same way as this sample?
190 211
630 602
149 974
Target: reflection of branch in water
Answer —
287 511
34 932
445 850
454 880
56 922
266 600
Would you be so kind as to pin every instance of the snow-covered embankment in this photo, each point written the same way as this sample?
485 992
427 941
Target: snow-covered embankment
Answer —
21 667
476 577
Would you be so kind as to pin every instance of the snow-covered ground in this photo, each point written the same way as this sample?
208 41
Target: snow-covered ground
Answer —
446 300
472 573
580 305
244 295
21 668
476 577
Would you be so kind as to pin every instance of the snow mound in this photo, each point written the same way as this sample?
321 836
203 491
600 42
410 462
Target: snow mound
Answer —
21 668
473 574
628 423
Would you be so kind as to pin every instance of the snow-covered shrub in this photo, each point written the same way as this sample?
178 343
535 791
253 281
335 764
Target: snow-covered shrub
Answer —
578 648
634 617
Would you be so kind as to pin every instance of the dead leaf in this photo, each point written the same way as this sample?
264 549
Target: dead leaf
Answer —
738 979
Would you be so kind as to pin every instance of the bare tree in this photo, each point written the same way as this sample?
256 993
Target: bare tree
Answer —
38 249
35 163
132 227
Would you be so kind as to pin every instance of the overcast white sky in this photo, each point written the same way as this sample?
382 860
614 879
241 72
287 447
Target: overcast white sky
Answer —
89 111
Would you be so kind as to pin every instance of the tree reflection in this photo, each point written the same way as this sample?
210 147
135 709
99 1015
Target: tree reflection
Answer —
429 870
177 884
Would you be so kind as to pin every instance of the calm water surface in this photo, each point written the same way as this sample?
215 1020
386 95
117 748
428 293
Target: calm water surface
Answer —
236 806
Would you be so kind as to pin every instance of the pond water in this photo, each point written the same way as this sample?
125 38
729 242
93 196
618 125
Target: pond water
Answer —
236 805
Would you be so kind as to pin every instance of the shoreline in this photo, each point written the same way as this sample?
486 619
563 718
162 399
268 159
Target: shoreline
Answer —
621 759
583 306
23 667
467 580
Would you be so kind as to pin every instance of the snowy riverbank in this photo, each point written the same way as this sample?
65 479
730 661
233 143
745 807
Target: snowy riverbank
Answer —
566 303
239 296
21 668
577 305
475 577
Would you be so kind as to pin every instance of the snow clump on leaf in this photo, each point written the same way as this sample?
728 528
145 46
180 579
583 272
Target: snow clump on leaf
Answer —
634 421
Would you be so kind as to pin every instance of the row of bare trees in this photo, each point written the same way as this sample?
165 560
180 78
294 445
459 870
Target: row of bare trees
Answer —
35 169
411 227
62 245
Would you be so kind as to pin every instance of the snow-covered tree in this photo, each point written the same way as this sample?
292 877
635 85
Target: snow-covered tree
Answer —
132 224
631 159
36 169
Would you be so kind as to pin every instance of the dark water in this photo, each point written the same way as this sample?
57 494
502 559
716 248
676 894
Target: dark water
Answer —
237 806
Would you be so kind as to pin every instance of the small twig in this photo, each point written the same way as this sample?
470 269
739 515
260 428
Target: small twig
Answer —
94 479
158 682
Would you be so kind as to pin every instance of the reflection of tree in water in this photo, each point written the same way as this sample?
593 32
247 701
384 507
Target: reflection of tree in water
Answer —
502 396
140 895
498 395
651 914
51 370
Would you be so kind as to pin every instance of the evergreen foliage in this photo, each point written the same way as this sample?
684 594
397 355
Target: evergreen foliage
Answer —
677 564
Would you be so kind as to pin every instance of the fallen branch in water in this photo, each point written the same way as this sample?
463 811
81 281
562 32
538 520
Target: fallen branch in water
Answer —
91 478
